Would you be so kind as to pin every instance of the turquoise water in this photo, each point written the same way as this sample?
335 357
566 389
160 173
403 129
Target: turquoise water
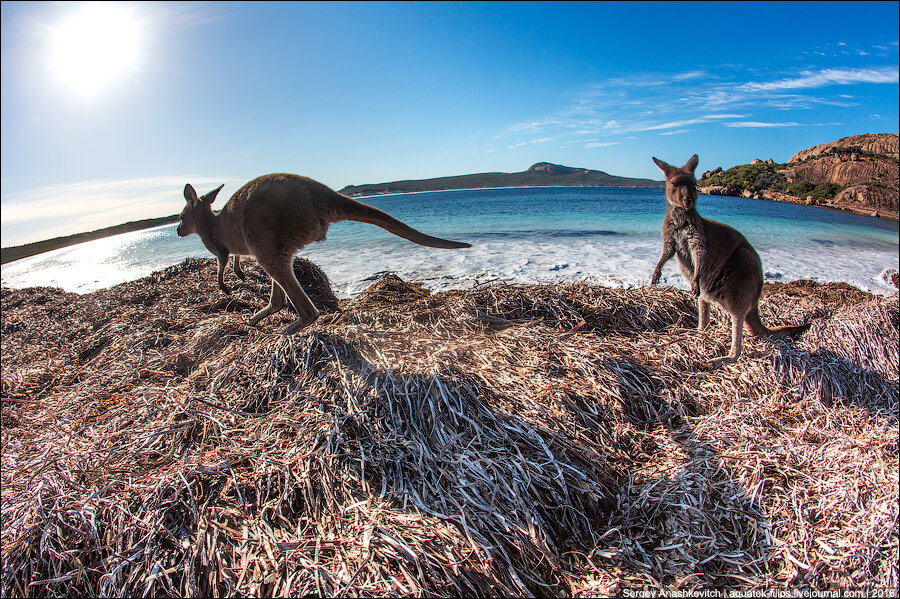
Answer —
601 235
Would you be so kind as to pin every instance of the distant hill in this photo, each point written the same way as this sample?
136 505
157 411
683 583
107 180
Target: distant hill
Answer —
17 252
859 174
540 174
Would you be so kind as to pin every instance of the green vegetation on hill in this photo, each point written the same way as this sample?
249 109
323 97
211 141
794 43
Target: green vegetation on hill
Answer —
756 178
820 191
750 177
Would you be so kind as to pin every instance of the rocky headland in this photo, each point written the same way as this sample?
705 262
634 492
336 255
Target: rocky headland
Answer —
858 174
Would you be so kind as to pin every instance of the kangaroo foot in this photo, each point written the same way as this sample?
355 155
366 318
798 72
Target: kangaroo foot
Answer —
267 311
719 362
300 323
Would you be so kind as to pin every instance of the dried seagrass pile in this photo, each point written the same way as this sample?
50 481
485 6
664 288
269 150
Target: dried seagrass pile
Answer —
504 440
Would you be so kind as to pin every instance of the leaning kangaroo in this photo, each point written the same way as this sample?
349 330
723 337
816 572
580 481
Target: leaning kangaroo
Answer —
719 262
272 217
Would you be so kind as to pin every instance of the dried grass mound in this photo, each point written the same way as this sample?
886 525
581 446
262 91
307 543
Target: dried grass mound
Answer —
558 440
315 283
389 290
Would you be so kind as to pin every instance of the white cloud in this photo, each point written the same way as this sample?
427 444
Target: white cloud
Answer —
600 144
825 77
671 125
657 103
760 124
689 75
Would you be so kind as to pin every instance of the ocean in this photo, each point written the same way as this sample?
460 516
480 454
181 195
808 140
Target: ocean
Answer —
601 235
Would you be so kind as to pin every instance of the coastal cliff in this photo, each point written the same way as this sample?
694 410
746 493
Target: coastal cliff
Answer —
858 173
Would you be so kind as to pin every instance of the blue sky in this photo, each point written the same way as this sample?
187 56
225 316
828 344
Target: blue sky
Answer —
351 93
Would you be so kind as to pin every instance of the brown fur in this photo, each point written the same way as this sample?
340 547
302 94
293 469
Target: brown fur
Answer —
272 217
719 262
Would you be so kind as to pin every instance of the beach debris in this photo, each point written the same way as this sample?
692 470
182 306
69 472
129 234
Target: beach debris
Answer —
389 290
516 440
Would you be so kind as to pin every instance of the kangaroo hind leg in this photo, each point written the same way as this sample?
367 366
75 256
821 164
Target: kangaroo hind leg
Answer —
276 303
737 337
282 272
702 314
236 264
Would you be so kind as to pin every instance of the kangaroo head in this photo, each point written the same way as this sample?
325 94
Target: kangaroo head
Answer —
681 186
197 211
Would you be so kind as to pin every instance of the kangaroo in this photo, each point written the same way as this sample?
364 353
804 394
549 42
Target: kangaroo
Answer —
272 217
719 262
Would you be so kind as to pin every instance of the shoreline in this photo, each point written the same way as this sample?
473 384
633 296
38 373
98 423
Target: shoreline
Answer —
19 252
27 250
789 199
889 277
401 193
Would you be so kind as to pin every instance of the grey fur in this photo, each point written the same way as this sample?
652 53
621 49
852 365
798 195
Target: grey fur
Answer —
272 217
719 262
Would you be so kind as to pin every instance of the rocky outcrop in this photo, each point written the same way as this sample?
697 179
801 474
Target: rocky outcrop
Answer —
719 190
865 166
868 199
709 174
886 144
843 170
860 173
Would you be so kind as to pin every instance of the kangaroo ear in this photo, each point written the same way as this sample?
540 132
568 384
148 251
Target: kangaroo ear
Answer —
665 167
190 195
208 198
691 165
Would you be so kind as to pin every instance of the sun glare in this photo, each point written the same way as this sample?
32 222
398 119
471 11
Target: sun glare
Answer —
94 47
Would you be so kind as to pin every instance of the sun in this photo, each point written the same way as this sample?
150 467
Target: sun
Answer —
94 47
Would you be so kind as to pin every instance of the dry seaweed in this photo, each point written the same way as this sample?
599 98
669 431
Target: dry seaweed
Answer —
504 440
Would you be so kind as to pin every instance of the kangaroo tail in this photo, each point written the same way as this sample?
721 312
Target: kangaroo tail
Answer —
363 213
755 326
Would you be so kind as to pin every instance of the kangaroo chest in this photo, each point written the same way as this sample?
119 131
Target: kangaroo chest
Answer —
684 233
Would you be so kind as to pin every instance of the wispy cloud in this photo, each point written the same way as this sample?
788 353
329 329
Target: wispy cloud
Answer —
659 103
689 75
809 79
745 124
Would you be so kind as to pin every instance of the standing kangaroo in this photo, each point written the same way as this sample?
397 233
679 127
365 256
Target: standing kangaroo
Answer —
272 217
719 262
